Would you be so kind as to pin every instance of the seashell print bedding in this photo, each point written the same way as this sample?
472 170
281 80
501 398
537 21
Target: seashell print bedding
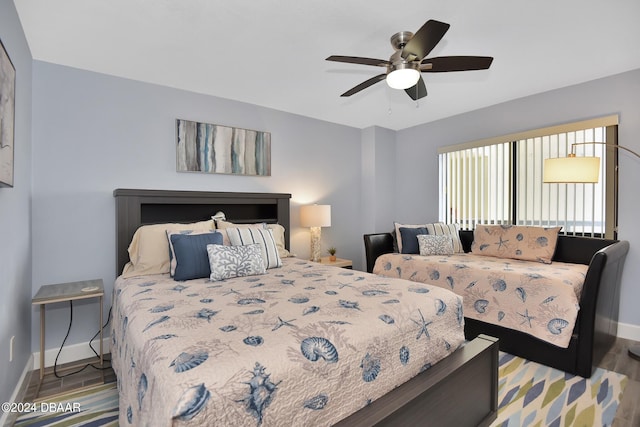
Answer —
304 344
538 299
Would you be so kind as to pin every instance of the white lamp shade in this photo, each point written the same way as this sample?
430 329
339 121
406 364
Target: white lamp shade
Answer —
403 78
315 216
572 170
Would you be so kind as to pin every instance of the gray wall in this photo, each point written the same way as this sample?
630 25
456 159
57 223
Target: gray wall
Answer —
94 133
15 216
417 167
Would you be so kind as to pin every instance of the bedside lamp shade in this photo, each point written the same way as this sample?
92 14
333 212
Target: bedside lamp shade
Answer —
314 217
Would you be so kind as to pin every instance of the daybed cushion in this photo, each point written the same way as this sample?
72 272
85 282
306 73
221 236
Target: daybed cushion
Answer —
437 228
516 242
541 300
409 238
435 245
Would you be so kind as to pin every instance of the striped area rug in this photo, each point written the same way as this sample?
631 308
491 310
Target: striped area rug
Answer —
93 406
529 394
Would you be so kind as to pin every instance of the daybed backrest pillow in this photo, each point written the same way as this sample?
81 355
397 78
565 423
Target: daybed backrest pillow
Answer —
409 239
264 238
516 242
226 262
440 228
192 259
436 228
435 245
149 248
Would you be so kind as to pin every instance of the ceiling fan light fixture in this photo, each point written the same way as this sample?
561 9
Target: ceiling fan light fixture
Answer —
403 76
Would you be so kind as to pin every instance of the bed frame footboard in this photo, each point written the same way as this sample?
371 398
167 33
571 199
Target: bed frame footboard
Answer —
460 390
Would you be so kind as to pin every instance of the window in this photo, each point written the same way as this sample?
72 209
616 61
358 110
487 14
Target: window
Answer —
499 180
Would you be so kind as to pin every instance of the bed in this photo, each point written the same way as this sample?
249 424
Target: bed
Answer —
301 344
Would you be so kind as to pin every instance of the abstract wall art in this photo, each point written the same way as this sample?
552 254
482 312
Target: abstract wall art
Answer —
203 147
7 117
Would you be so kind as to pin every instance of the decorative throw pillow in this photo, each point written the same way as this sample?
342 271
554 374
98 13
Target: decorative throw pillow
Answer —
435 245
172 254
409 238
222 225
191 257
247 236
398 236
440 228
149 251
516 242
226 262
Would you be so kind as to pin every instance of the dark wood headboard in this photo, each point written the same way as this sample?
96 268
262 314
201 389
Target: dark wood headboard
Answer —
141 207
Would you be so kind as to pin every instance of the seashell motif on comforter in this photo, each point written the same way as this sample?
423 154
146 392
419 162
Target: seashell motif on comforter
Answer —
506 292
270 350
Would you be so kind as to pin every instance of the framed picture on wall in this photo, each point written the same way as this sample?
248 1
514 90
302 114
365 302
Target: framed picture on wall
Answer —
7 117
204 147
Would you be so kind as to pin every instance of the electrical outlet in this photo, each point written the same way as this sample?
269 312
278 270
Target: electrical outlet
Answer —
13 338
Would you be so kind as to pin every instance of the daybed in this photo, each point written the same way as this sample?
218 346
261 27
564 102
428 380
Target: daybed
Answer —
301 344
596 324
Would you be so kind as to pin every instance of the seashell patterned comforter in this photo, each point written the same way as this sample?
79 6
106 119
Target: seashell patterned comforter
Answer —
538 299
304 344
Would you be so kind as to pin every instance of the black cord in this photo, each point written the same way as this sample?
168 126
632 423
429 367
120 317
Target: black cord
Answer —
55 363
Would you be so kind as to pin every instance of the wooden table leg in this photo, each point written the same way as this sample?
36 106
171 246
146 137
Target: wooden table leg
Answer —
101 356
41 348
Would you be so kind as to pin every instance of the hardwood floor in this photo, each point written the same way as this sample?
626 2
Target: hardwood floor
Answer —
617 360
51 385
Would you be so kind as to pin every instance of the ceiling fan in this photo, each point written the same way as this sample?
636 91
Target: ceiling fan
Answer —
409 60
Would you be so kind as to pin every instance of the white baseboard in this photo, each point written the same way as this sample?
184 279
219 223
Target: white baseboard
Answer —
4 417
70 353
628 331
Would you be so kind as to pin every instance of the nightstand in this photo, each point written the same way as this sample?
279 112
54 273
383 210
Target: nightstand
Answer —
339 262
63 292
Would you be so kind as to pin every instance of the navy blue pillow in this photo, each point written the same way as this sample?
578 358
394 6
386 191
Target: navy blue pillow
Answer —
409 238
192 259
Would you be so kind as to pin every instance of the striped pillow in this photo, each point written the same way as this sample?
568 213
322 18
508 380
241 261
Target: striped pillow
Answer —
264 237
440 228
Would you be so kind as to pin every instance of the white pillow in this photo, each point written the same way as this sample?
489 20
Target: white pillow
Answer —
227 262
435 245
278 235
248 236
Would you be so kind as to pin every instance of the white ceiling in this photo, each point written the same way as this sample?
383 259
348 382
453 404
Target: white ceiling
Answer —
272 52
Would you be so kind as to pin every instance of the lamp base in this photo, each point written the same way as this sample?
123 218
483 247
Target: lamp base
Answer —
634 352
315 244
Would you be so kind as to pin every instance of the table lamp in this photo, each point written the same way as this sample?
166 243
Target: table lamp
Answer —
315 217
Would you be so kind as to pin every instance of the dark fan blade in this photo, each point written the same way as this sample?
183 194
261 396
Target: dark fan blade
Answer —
418 91
455 63
424 40
358 60
364 85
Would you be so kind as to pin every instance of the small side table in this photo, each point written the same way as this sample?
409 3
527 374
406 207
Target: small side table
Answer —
62 292
339 262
